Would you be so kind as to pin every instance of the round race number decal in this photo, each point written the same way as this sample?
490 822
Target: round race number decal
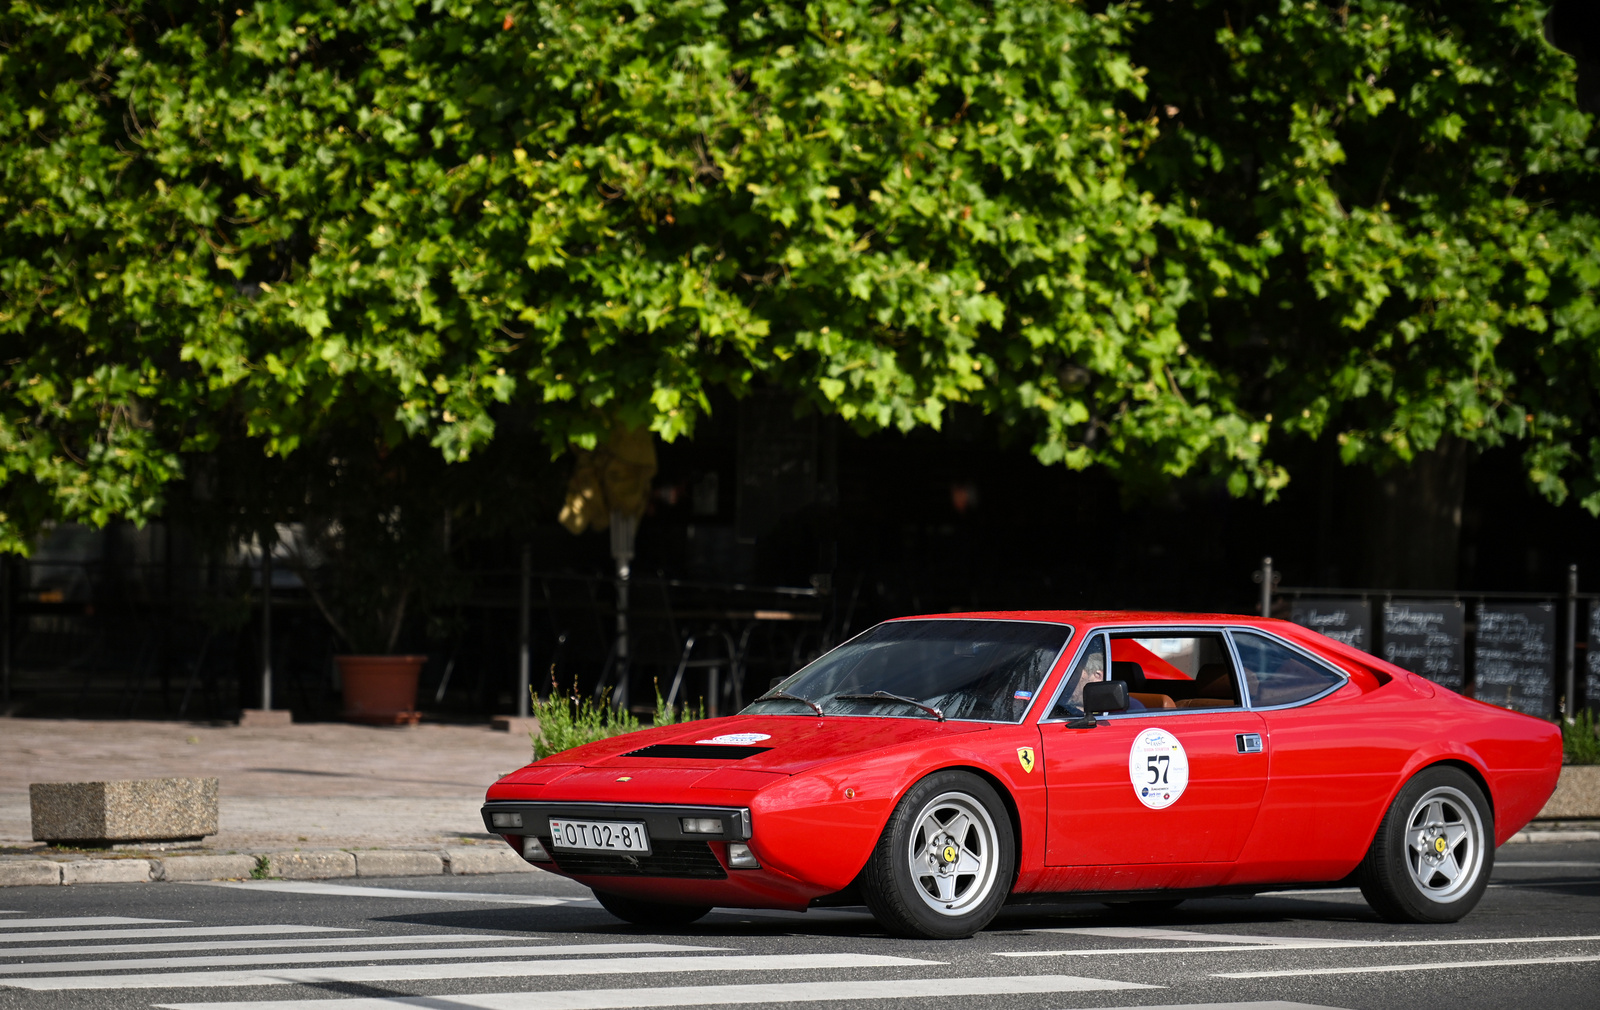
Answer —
1158 768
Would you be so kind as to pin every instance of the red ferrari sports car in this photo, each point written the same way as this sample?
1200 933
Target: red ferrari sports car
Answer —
934 768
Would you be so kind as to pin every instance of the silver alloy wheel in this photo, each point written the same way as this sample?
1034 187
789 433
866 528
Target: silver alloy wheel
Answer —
953 853
1444 844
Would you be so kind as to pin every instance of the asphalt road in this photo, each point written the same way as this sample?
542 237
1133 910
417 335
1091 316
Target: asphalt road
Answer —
537 942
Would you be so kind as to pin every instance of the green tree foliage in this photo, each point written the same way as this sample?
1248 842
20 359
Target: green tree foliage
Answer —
1419 194
250 225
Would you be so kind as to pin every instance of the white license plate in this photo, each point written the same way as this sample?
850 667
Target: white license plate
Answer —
606 836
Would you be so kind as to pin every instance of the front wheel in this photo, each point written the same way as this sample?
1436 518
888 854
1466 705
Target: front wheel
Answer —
1434 850
945 861
657 914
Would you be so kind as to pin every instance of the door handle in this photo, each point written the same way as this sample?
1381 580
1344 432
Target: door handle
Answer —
1249 743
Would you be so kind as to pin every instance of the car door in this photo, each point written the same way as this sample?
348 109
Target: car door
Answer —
1157 785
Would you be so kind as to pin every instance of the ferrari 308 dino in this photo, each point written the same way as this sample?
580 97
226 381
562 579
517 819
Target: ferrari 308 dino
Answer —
935 768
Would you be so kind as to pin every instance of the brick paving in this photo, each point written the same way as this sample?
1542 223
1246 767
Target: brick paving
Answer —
316 785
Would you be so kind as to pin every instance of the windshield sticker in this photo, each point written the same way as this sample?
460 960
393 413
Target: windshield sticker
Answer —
1158 767
1022 695
738 739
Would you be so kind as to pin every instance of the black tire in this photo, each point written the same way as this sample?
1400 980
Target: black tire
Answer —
658 914
1434 851
943 901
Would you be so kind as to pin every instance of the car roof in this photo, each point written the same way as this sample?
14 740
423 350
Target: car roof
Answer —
1102 618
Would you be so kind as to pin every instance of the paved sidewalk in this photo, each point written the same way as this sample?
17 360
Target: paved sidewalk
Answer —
317 786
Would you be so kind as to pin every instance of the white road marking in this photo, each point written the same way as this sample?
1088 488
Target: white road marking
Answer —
1302 893
704 995
352 891
1547 862
117 934
1425 966
79 920
479 969
321 957
321 941
1156 933
1299 945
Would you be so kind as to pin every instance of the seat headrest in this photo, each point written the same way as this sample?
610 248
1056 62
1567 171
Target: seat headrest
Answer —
1128 672
1213 680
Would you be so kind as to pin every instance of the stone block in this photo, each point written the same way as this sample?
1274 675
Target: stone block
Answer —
265 717
316 865
485 859
1577 795
19 872
205 867
398 864
131 810
106 871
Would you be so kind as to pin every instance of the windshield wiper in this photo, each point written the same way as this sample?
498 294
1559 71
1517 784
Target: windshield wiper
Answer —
786 696
886 696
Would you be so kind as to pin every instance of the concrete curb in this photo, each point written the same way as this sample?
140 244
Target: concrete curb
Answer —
310 864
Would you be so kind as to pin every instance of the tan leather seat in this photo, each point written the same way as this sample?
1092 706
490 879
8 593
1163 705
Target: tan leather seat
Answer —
1150 700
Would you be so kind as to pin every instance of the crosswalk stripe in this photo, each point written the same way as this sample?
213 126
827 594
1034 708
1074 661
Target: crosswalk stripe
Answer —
237 960
1371 969
118 934
79 920
321 941
1158 933
1298 945
356 891
705 995
471 969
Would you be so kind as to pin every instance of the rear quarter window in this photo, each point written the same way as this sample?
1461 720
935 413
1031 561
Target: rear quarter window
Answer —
1277 674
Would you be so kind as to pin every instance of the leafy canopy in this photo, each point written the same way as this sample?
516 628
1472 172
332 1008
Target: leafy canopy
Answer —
225 225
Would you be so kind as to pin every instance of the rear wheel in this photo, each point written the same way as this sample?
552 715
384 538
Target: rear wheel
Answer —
650 913
945 862
1434 850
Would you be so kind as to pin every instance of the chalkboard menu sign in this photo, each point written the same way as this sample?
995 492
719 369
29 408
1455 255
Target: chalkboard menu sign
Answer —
1515 656
1593 650
1347 621
1425 637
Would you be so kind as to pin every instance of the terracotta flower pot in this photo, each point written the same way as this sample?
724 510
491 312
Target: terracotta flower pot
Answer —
381 690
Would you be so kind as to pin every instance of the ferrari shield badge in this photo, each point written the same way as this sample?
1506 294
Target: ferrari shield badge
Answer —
1025 755
1158 767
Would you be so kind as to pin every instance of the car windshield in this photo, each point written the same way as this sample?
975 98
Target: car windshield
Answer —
928 669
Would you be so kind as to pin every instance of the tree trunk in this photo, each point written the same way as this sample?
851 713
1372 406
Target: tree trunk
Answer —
1412 536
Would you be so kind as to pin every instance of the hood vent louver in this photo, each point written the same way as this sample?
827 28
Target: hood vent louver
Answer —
698 752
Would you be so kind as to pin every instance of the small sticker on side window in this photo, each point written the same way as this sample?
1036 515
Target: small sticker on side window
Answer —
1158 767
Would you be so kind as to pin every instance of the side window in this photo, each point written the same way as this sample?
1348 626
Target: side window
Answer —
1173 670
1277 675
1091 667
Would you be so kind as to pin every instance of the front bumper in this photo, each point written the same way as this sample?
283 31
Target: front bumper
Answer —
663 821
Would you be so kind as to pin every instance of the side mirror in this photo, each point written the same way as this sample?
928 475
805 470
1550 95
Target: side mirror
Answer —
1105 696
1102 696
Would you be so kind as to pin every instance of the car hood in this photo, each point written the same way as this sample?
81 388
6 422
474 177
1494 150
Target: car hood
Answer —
763 744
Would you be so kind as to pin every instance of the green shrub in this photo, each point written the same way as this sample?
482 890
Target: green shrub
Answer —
1579 740
571 721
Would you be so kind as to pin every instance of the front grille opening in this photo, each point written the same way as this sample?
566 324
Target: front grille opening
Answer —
696 751
693 860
